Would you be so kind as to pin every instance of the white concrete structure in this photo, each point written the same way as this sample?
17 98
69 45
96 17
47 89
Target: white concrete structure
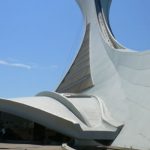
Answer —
84 117
102 72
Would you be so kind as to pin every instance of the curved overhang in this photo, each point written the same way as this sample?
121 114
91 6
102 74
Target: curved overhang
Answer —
40 111
64 114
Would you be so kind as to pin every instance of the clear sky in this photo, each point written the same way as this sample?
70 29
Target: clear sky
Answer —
39 38
130 22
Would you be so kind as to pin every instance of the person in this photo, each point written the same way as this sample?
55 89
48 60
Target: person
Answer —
3 131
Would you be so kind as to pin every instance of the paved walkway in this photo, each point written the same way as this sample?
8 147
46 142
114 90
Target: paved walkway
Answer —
4 146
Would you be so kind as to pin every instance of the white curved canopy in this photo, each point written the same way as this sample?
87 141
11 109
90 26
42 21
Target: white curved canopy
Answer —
66 114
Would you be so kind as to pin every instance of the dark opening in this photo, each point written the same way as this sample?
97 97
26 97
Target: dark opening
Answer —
14 129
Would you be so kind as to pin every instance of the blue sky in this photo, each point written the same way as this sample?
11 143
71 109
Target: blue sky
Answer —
130 22
39 38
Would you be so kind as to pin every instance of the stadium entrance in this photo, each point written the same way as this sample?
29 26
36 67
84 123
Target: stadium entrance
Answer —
14 129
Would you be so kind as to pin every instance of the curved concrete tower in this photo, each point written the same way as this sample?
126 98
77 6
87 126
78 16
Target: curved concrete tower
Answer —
119 76
105 94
